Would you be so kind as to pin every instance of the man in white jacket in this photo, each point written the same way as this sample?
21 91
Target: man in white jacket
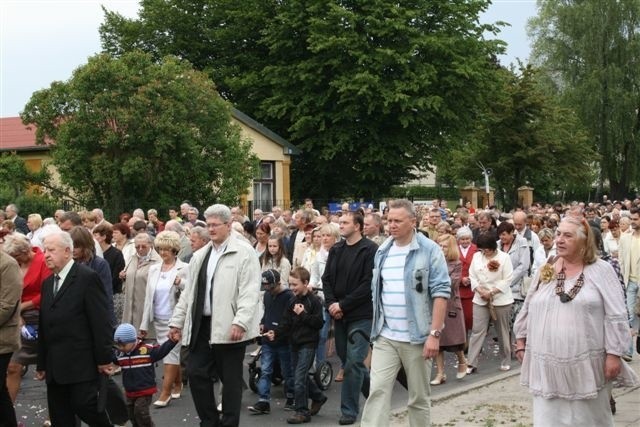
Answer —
217 316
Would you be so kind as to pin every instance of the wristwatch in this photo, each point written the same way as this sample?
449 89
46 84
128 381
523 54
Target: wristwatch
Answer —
435 333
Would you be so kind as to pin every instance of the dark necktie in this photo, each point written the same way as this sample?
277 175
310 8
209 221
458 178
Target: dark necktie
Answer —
56 284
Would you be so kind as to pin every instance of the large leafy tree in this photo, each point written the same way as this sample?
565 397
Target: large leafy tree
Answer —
590 50
369 89
132 130
526 139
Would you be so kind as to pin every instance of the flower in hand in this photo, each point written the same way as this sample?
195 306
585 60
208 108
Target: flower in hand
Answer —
493 265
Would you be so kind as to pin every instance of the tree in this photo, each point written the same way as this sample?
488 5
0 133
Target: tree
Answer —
369 89
526 139
131 130
16 178
590 51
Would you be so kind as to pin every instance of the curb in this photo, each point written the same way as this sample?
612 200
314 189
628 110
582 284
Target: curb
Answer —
463 389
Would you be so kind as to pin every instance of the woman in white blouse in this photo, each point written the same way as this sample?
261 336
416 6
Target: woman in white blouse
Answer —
165 282
491 276
329 235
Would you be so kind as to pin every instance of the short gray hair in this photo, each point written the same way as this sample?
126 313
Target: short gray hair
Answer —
143 236
403 204
219 211
64 238
464 232
16 243
201 232
546 232
173 225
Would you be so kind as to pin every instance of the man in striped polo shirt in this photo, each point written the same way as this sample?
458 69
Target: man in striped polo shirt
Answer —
410 288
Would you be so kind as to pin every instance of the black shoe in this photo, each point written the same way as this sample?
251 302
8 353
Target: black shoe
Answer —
612 403
260 408
345 421
316 405
298 418
290 405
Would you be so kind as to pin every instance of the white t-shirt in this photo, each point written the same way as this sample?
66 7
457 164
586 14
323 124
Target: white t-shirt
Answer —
162 295
394 305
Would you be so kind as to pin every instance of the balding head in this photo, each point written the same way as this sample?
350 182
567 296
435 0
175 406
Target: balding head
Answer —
520 221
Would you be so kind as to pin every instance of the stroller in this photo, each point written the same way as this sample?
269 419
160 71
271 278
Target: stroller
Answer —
322 373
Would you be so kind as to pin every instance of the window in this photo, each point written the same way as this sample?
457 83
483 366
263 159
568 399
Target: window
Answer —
264 187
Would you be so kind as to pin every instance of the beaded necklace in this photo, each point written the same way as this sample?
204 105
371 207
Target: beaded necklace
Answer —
566 297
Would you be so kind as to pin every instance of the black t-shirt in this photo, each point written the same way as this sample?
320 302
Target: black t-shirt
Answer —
346 261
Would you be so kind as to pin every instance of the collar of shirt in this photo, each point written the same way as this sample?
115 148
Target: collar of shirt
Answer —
220 248
65 270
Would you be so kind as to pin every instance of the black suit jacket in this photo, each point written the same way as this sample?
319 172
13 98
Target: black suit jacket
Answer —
75 334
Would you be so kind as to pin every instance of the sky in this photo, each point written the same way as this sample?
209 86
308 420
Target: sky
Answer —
42 41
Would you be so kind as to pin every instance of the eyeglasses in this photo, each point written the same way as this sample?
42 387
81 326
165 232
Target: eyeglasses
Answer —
212 225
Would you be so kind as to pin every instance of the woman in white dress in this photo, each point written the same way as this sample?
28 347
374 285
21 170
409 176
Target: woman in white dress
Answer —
571 332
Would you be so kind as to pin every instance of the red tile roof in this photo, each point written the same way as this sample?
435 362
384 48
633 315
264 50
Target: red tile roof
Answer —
16 136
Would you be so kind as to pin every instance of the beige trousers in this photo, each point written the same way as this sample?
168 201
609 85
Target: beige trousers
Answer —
387 358
481 319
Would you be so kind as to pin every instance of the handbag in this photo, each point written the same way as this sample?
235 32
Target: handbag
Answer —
525 286
111 400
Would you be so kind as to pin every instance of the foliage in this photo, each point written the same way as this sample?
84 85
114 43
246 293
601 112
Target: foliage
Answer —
422 192
590 52
369 89
16 178
131 127
526 139
22 187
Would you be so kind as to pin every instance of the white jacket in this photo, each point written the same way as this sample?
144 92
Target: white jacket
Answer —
236 293
182 271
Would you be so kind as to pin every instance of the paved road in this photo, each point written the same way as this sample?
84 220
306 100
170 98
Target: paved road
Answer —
32 412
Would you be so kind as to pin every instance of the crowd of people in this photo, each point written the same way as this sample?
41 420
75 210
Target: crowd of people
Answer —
557 283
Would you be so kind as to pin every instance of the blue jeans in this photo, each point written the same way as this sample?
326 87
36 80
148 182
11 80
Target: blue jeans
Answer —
304 387
356 375
321 352
632 295
271 353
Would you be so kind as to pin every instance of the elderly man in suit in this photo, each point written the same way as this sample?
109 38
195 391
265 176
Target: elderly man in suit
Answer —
74 345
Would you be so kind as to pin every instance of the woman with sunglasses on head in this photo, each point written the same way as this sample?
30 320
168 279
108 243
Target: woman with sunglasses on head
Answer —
571 332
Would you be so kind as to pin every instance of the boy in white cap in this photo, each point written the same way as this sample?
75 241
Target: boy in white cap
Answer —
276 300
138 372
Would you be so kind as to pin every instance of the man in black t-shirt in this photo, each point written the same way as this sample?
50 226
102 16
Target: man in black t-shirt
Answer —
346 284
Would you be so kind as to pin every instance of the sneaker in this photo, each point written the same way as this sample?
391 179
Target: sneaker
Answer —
627 357
260 408
316 405
290 405
298 418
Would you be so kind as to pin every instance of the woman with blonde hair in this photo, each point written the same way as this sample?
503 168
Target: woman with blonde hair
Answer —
34 271
329 236
453 335
165 282
34 224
